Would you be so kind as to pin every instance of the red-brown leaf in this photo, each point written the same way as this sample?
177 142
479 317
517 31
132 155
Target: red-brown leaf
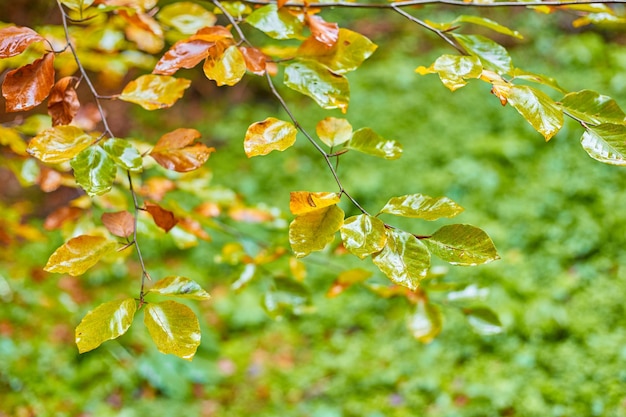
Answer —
120 223
142 21
14 40
63 103
58 217
184 54
49 179
324 32
26 87
255 59
177 151
163 218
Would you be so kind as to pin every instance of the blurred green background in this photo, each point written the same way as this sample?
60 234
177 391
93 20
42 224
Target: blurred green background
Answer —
556 216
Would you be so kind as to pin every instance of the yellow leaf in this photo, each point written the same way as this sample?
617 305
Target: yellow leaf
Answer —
107 321
174 328
269 135
313 231
79 254
155 91
301 202
333 131
59 144
227 68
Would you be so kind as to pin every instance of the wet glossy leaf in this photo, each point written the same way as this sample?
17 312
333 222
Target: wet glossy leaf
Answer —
186 17
120 223
520 74
183 54
483 320
422 206
367 141
363 235
59 144
286 296
324 32
255 60
27 86
77 5
301 202
604 20
606 143
155 91
538 109
106 322
347 54
333 131
454 70
124 154
405 260
488 23
174 328
94 170
15 39
462 244
177 150
593 108
269 135
425 321
163 218
79 254
227 68
313 231
328 89
63 102
346 279
492 55
275 23
176 286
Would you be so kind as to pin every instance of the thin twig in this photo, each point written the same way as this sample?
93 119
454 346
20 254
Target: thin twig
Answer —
144 271
459 3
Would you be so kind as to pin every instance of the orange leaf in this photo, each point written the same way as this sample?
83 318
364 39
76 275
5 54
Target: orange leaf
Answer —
324 32
49 179
301 202
14 40
142 21
195 228
255 59
63 103
26 87
155 188
176 150
250 215
163 218
212 34
58 217
184 54
120 223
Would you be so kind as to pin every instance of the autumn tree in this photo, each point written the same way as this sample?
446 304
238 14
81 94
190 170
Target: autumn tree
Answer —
288 45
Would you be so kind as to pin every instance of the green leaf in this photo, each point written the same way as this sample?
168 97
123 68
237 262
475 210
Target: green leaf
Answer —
154 91
106 322
94 170
453 70
329 90
422 206
462 244
538 109
347 54
493 56
593 108
520 74
314 230
606 143
367 141
176 286
77 5
174 328
483 320
363 235
275 23
79 254
488 23
425 321
269 135
59 144
404 259
186 17
286 296
124 154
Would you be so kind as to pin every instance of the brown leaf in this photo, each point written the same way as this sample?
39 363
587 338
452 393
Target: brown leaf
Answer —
255 59
176 150
184 54
142 21
58 217
281 3
49 180
195 228
163 218
14 40
324 32
155 188
120 223
26 87
63 103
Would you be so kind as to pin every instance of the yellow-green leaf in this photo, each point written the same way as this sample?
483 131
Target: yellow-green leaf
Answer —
367 141
94 170
334 131
329 90
593 108
313 231
301 202
59 144
422 206
462 244
176 286
520 74
425 321
275 23
106 322
155 91
186 17
174 328
363 235
606 143
538 109
227 68
453 70
483 320
405 260
77 5
269 135
124 154
488 23
79 254
492 55
11 138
